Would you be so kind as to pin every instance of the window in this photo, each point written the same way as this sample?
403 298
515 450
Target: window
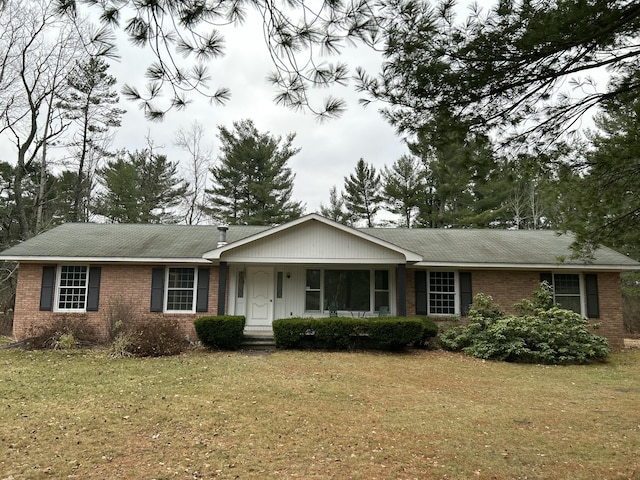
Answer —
566 291
381 289
347 289
279 284
181 284
73 281
312 295
241 284
439 292
442 293
350 290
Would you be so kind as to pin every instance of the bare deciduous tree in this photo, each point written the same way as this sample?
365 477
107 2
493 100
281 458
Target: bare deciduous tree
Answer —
198 162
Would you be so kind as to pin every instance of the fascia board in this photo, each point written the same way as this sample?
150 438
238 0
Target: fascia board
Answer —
525 266
310 261
138 260
217 253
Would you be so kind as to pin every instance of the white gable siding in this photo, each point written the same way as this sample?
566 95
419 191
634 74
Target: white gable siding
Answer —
313 242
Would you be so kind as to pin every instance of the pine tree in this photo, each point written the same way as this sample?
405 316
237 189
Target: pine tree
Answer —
514 67
251 183
362 193
140 187
335 210
600 198
403 186
463 178
91 103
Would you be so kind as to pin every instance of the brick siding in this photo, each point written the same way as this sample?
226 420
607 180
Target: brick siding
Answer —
509 287
130 284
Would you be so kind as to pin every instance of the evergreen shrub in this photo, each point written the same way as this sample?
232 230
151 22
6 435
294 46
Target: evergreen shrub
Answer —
346 332
225 331
541 333
430 332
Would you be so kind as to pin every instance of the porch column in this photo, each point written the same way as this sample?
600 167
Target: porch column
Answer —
401 278
222 287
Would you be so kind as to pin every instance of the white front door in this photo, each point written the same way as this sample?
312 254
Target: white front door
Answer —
260 290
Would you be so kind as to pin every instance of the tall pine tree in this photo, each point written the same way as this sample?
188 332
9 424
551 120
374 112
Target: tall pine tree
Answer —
91 102
403 186
362 193
140 187
252 184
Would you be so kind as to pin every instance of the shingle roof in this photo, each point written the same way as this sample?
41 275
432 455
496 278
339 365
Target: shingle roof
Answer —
181 242
93 240
496 247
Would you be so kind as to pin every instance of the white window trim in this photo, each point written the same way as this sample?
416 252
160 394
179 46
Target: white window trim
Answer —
195 289
456 295
56 304
372 289
583 291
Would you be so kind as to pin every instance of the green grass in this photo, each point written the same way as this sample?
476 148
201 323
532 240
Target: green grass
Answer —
315 415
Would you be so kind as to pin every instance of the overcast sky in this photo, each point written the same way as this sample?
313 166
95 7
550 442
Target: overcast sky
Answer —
329 150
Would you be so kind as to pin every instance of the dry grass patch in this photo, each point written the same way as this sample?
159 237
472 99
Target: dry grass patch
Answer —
315 415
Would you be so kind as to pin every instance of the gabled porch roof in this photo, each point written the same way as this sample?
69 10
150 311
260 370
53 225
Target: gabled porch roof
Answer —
313 239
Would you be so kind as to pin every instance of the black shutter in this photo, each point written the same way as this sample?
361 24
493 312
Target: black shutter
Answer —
421 292
202 300
157 289
547 277
93 295
466 295
47 287
591 286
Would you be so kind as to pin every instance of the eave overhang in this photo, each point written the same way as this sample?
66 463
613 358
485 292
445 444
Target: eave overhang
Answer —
218 253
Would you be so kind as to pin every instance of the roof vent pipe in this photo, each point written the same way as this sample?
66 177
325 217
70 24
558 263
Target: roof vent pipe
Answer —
222 241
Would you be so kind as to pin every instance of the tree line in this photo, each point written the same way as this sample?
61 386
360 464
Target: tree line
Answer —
481 101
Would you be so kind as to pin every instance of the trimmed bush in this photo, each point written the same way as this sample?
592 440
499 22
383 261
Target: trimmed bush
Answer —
542 333
395 333
430 331
289 332
345 332
225 332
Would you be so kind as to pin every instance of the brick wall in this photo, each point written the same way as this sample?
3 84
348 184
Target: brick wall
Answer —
130 284
508 288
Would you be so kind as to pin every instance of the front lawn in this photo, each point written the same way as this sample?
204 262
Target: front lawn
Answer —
292 414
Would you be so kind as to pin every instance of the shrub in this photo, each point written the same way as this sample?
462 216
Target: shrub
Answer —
154 337
395 333
121 346
225 332
6 323
430 331
542 333
118 314
64 332
346 332
336 332
289 332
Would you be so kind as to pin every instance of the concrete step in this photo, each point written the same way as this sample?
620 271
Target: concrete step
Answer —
258 342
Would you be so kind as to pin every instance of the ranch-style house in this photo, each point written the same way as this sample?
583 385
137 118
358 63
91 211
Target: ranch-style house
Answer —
307 267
